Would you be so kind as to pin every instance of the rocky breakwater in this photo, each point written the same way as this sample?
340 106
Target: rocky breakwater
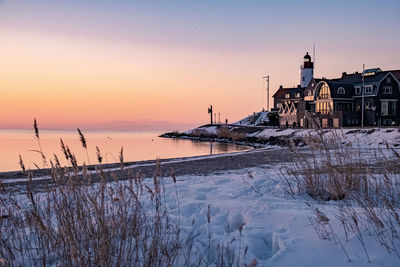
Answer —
255 136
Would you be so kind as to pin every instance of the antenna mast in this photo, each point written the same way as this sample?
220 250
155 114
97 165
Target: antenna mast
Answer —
314 53
267 78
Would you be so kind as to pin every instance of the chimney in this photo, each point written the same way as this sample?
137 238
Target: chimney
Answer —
344 74
280 86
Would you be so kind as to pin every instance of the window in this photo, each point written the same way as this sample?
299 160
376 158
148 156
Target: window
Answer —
358 90
287 95
368 89
388 108
341 91
324 91
324 107
384 108
368 105
344 106
388 80
387 89
297 95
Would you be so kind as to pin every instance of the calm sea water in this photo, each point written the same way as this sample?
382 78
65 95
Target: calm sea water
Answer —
137 145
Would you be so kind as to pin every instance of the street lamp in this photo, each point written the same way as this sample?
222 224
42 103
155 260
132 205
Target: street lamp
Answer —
267 78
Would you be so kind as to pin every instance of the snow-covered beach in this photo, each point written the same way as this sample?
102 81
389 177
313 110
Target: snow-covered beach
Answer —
251 212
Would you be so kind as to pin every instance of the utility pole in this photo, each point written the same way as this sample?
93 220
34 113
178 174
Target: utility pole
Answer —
267 78
210 111
362 98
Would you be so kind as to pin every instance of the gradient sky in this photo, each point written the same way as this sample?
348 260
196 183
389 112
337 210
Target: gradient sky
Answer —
123 64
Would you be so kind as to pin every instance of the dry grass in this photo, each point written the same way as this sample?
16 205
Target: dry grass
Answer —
79 223
76 222
201 133
367 188
225 132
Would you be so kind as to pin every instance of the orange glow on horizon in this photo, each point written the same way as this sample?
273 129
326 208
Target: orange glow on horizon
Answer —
73 81
67 80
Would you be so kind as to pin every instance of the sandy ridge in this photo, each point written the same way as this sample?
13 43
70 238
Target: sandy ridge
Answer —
200 165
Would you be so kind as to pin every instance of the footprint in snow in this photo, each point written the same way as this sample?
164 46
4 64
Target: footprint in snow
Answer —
191 208
264 246
200 196
235 223
206 189
221 181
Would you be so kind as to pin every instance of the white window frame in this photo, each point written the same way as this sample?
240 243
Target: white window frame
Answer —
387 89
341 91
358 90
368 89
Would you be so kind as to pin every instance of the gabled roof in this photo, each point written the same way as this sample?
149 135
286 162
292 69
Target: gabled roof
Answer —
356 78
396 73
293 90
369 72
315 81
350 78
281 92
334 87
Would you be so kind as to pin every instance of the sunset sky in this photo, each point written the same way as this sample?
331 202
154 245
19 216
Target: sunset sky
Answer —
135 64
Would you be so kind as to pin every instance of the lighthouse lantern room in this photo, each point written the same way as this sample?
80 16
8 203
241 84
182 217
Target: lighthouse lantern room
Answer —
307 71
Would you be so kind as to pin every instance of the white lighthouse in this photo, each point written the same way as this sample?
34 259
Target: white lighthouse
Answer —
307 71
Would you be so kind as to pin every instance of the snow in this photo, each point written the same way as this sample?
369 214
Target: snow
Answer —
208 129
366 137
372 137
250 207
253 120
276 228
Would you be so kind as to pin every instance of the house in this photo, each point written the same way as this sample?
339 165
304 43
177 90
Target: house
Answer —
287 104
359 99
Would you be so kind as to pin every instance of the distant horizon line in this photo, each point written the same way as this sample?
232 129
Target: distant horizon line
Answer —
104 126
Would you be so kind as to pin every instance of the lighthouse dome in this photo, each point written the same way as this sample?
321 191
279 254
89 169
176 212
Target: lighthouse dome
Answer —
307 58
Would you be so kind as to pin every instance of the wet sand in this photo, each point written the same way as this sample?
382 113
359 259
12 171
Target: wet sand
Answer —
200 165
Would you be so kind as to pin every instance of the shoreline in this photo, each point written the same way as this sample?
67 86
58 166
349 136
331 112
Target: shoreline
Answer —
269 145
259 136
197 165
236 134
